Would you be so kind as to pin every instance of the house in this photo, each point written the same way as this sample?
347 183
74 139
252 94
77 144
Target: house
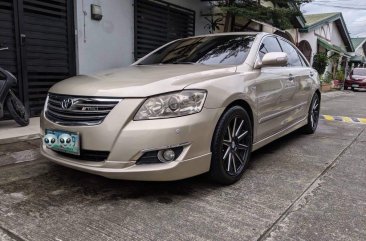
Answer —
326 33
49 41
358 58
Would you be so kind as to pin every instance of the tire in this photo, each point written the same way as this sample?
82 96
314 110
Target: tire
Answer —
17 110
313 115
231 149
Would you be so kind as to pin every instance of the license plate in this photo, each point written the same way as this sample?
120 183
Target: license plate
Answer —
356 86
63 141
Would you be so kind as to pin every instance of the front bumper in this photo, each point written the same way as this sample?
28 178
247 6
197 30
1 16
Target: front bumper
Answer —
126 140
351 83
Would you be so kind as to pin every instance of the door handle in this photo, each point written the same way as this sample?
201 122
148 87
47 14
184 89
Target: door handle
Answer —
311 73
291 77
22 38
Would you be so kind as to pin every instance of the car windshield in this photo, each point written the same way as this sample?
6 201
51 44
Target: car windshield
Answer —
210 50
361 72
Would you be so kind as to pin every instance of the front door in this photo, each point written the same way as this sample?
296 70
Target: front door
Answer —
275 91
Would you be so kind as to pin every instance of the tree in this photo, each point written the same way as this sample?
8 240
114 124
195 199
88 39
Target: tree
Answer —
281 15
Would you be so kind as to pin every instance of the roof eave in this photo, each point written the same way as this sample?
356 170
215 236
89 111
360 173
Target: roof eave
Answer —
341 26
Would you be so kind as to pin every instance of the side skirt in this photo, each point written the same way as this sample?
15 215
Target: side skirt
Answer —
280 134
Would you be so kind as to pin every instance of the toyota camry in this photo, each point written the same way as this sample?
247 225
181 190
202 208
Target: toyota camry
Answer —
195 105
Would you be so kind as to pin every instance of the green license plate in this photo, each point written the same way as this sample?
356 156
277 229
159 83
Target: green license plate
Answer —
63 141
355 86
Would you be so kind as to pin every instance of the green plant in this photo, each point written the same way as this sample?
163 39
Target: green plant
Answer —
320 62
280 16
327 78
340 75
213 24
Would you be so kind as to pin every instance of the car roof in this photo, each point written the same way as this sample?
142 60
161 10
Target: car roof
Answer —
228 34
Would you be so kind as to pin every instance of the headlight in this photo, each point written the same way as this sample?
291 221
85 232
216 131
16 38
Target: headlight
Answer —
182 103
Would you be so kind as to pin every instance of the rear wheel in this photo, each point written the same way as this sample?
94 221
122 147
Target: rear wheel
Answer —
231 146
17 109
313 115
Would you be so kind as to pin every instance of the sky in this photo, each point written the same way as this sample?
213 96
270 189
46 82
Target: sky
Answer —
354 13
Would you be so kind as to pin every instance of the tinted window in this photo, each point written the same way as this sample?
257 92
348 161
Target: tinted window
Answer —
293 55
212 50
269 44
303 61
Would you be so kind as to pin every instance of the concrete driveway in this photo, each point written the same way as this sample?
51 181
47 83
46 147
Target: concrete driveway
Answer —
301 187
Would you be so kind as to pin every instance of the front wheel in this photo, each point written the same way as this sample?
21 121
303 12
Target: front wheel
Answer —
313 115
231 146
17 109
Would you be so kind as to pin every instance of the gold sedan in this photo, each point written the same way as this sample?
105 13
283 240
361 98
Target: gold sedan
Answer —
195 105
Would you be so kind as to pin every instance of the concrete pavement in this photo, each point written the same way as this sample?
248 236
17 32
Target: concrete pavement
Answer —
301 187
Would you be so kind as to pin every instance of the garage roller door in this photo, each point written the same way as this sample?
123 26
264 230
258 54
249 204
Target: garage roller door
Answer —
42 48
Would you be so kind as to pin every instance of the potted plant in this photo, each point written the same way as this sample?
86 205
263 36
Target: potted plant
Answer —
326 81
339 79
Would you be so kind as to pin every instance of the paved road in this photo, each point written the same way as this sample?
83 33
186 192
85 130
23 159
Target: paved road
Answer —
298 188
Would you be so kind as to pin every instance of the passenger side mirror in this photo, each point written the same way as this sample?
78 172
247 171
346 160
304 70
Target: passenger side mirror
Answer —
273 59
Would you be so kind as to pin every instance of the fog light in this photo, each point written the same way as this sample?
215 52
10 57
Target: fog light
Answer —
166 155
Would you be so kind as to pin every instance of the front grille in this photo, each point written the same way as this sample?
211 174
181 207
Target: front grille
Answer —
75 110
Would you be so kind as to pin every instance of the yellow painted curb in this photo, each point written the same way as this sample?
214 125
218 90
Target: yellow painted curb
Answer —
345 119
362 120
328 117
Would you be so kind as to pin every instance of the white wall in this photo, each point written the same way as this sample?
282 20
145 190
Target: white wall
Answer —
109 43
336 37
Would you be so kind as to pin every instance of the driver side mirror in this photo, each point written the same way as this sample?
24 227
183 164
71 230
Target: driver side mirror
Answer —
273 59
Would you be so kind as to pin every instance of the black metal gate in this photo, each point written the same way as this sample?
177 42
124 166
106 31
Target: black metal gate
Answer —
40 36
158 22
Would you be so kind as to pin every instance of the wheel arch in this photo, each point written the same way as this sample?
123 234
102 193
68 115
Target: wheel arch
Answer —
245 106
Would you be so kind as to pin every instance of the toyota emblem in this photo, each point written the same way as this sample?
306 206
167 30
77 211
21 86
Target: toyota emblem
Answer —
67 103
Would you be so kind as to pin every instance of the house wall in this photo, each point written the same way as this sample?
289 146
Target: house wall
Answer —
328 32
109 43
336 38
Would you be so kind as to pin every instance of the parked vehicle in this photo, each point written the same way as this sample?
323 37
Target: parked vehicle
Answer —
8 98
356 79
195 105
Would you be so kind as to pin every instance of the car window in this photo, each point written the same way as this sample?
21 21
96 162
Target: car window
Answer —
303 61
210 50
361 72
269 45
293 55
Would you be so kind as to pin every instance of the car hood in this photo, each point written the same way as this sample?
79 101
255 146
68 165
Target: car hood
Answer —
140 80
358 77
